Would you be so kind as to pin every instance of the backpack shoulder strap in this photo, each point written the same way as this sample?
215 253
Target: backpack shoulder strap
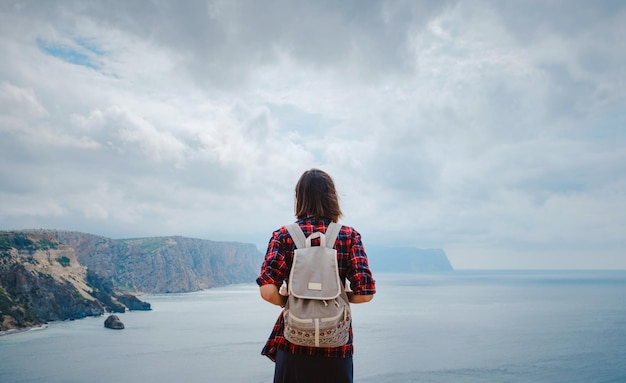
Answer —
332 231
296 235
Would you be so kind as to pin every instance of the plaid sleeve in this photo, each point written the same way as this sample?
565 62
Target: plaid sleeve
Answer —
274 266
359 274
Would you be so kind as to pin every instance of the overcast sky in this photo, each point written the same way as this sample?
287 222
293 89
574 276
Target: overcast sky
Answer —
494 130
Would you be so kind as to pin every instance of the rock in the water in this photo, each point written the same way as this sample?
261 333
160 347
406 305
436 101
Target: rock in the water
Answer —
113 322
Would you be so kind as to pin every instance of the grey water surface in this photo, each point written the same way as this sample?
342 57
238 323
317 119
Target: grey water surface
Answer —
462 326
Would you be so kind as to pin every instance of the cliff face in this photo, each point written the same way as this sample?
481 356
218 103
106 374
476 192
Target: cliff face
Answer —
41 280
165 264
48 297
180 264
48 275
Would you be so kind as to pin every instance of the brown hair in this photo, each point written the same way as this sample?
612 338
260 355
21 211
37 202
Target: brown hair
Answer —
316 196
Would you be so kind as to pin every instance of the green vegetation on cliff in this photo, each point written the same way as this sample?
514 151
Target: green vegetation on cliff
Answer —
21 242
64 261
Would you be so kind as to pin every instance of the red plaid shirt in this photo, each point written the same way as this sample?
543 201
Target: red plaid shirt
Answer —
353 266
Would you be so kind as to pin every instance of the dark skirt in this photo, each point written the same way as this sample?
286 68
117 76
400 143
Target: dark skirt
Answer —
301 368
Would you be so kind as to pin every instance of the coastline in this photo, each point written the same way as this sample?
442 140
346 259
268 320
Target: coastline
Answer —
22 330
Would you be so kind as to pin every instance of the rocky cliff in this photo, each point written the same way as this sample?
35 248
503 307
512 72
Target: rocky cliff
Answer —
48 275
42 280
165 264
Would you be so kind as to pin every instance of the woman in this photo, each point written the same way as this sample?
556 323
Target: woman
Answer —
317 205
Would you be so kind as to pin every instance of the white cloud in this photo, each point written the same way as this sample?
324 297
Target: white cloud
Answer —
19 101
481 128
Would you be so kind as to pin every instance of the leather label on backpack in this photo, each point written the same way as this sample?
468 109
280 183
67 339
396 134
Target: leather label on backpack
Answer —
315 286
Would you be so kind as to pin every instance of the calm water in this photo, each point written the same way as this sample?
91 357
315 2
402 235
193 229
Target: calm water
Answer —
492 326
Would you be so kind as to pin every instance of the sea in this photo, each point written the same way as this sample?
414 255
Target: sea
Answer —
460 327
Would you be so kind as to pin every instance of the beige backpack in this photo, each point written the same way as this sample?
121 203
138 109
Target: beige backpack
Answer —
317 312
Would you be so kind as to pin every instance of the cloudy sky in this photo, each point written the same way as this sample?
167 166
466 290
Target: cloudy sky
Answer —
494 130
